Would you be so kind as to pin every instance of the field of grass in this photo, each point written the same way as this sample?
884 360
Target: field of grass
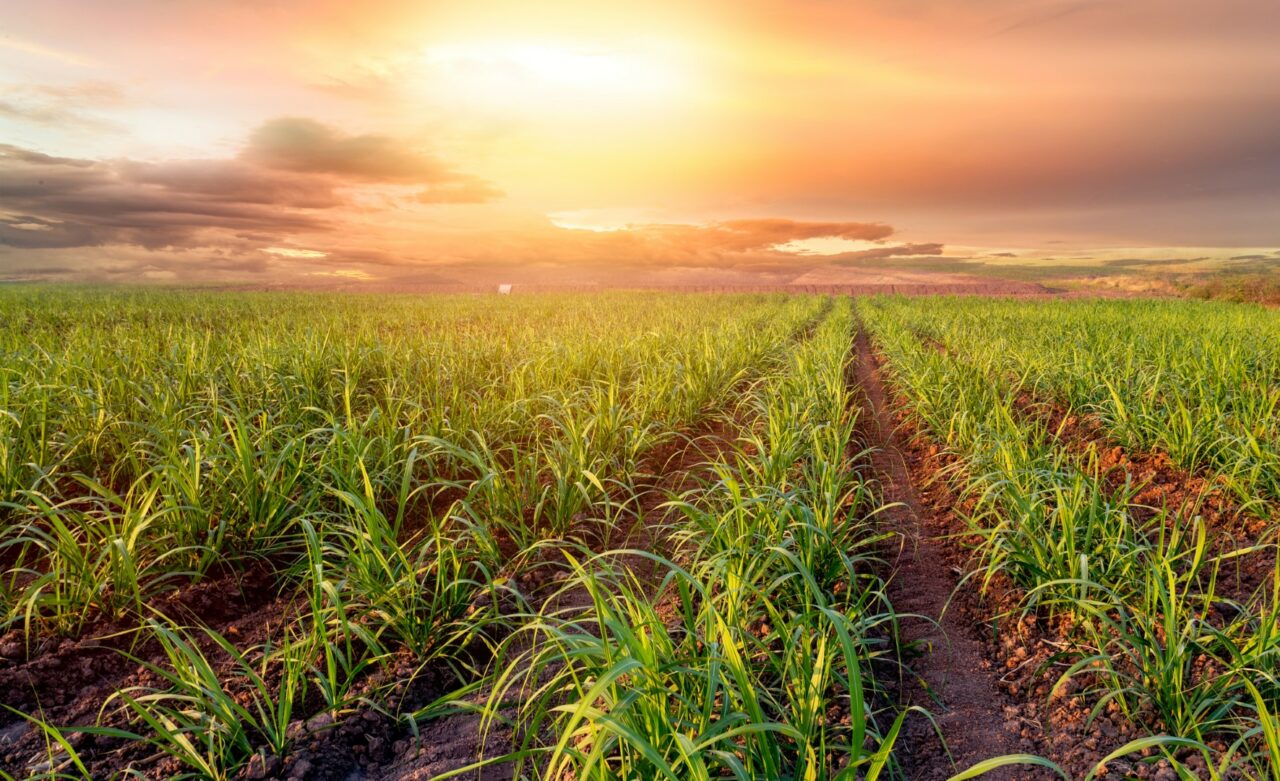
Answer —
1061 418
628 535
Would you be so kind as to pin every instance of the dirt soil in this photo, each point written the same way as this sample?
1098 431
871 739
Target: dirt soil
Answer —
67 681
951 676
1163 486
372 744
1024 654
989 682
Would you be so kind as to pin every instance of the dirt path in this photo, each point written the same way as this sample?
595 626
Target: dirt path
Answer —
955 680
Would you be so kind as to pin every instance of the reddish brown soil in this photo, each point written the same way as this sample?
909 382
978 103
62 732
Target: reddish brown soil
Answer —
1024 653
67 681
988 681
370 743
951 676
1163 487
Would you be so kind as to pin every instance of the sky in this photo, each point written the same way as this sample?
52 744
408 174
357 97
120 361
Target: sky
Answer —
281 141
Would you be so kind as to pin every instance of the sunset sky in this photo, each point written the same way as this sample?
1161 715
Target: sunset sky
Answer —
471 141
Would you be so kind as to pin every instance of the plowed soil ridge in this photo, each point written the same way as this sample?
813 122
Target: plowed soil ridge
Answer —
952 677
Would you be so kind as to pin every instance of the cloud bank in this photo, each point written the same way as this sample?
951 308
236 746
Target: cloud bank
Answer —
301 198
293 176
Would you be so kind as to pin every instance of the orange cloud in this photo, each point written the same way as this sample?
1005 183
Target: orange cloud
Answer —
745 244
470 190
307 146
758 233
292 185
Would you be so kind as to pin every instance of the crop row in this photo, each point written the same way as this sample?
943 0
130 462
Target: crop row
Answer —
393 460
1196 380
155 439
405 472
622 535
749 652
1150 631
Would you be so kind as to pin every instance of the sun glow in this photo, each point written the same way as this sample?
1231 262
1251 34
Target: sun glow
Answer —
563 76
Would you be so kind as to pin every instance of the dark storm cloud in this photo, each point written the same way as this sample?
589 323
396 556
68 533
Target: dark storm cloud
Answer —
27 232
30 157
292 188
232 181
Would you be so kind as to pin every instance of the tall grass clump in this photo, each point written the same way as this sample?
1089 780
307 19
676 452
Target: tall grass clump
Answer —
150 437
1155 634
398 465
750 653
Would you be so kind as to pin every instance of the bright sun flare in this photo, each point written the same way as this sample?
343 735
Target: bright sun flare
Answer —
518 74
